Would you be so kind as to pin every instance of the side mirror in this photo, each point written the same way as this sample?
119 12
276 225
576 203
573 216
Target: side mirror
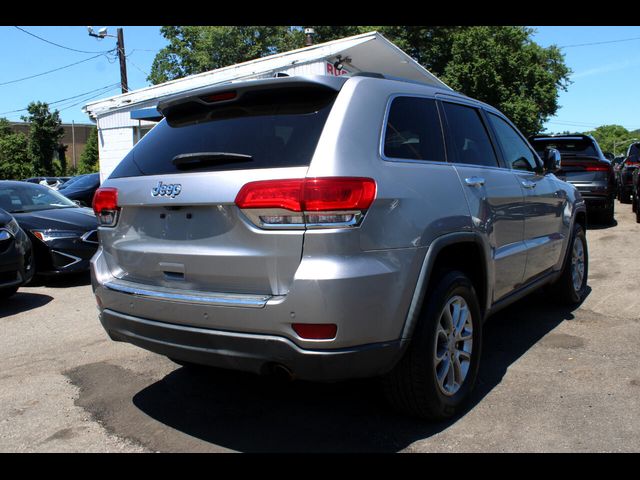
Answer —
551 160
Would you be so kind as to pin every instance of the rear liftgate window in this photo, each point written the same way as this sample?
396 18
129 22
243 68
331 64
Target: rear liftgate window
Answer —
259 129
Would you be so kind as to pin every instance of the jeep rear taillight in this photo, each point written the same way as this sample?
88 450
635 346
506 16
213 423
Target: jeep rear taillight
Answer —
327 202
105 206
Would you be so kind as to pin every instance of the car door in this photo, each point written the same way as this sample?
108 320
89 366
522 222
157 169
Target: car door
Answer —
493 193
545 200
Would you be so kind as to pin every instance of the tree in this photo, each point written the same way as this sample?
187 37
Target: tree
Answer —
44 138
89 158
15 163
500 65
197 49
613 138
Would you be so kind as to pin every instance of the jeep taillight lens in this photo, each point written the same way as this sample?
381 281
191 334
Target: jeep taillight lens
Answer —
307 202
105 206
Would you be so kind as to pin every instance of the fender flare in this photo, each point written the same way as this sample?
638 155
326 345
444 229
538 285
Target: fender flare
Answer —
422 283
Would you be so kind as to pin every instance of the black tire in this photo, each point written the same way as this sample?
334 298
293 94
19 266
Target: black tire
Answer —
412 386
607 216
634 205
7 292
625 196
564 290
637 210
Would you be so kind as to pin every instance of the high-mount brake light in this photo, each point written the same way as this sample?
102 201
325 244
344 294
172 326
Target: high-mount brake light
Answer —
105 206
325 202
219 97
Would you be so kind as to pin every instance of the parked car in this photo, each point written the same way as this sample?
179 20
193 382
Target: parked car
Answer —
625 175
82 189
635 193
63 235
16 259
584 165
52 182
333 228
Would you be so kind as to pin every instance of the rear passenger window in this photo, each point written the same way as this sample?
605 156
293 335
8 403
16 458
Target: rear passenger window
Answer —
471 142
413 130
517 153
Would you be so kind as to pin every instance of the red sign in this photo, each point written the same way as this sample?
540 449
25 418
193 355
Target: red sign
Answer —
331 70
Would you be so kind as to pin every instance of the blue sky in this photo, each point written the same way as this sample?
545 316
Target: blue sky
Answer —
604 89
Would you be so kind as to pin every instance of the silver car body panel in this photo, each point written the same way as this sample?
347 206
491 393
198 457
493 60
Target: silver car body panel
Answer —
217 270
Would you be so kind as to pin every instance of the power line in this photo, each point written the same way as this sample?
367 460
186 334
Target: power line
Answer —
600 43
89 98
50 71
66 99
57 44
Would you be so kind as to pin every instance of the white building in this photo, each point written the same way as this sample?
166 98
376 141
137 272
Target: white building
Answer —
123 119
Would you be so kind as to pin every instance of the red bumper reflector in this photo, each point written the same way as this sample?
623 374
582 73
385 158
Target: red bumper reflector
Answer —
315 331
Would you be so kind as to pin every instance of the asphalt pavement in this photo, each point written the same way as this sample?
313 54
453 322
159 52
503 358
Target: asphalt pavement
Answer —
551 380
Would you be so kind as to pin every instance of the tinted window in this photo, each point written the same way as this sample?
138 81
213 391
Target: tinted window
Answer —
471 142
86 181
413 130
566 146
264 129
516 151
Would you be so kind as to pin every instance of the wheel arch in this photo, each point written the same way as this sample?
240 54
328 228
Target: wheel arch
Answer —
463 251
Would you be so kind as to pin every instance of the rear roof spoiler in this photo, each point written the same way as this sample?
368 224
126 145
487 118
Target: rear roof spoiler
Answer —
332 83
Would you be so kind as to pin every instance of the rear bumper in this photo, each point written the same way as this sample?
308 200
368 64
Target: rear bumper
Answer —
250 352
367 296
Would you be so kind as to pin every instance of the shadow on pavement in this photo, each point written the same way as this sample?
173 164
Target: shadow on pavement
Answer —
22 302
253 414
601 226
61 281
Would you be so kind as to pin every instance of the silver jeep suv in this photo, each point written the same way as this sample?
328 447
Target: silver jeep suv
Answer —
332 228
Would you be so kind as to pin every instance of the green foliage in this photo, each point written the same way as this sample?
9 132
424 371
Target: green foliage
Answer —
614 138
45 134
499 65
15 162
89 158
196 49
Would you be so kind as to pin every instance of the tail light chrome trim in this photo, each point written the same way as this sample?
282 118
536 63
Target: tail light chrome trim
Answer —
307 203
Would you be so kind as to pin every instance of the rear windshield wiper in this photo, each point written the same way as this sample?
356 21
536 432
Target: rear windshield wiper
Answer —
196 159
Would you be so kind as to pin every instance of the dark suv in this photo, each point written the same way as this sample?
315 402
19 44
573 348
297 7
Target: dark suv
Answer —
585 166
625 175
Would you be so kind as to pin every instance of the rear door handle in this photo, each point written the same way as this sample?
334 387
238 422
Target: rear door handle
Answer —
474 181
528 184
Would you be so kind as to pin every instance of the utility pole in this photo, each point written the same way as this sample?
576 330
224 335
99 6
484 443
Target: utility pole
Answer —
102 33
123 62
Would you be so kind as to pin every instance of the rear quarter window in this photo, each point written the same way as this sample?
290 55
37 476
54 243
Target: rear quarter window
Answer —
413 130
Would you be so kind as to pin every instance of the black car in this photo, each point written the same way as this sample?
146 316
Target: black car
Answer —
82 189
64 235
16 259
625 174
584 165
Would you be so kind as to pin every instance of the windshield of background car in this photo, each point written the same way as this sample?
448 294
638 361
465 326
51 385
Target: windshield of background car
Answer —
566 147
30 198
262 129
